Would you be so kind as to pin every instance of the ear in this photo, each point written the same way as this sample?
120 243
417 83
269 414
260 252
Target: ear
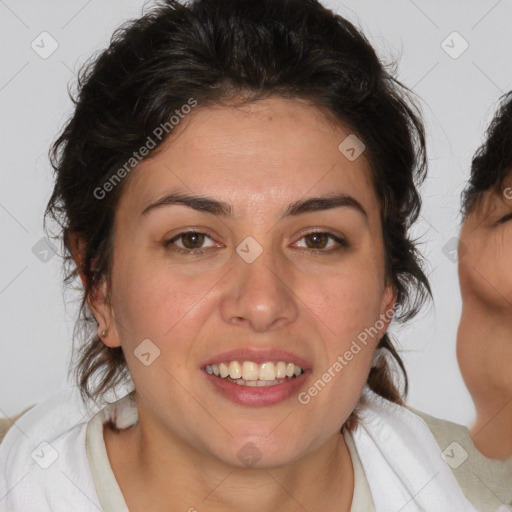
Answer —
104 314
387 308
97 301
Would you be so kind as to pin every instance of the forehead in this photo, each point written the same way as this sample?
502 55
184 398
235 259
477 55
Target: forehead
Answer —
270 150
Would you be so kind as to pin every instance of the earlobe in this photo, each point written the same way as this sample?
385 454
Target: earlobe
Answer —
97 300
103 314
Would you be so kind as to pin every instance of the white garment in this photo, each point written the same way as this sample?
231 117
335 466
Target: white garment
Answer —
30 479
403 462
400 457
43 462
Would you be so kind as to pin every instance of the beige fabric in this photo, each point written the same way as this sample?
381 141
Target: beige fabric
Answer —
7 423
487 483
362 498
109 493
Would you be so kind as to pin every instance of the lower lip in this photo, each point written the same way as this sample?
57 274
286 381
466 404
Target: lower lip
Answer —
258 396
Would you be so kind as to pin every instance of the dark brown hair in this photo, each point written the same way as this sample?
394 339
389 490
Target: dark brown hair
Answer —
216 51
492 162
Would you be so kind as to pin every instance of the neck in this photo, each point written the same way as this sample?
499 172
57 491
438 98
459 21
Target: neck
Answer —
150 468
484 350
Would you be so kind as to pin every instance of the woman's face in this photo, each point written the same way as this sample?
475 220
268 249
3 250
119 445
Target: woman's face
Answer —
485 250
255 279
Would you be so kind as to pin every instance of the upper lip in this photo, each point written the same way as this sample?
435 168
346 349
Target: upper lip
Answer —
257 356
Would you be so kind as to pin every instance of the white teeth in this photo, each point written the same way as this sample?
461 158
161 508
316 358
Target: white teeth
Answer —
224 370
257 383
280 370
268 371
250 371
235 370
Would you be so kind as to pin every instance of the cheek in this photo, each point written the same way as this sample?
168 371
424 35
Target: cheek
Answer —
348 300
345 314
500 260
485 267
346 309
155 302
349 304
345 305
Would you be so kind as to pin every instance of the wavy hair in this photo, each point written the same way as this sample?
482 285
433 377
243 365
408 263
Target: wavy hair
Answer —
218 51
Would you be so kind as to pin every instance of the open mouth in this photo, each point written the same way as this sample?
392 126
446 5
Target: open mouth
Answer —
251 374
250 384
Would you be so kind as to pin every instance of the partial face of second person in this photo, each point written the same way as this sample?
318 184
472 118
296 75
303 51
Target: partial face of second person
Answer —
485 253
305 294
486 249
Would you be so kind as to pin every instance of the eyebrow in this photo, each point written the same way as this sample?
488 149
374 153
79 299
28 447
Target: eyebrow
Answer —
223 209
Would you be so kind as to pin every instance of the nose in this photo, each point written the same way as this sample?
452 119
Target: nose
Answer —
259 294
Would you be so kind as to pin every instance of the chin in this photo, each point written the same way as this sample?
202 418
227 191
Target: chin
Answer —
257 453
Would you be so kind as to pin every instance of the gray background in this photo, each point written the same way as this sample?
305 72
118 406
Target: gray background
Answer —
458 99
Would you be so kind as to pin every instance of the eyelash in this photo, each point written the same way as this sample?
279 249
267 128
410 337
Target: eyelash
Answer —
505 218
343 244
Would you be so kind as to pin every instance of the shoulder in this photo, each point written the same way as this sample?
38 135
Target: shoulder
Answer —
445 431
43 458
486 482
7 423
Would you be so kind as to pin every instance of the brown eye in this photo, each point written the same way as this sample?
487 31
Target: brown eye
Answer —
323 242
192 240
317 240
